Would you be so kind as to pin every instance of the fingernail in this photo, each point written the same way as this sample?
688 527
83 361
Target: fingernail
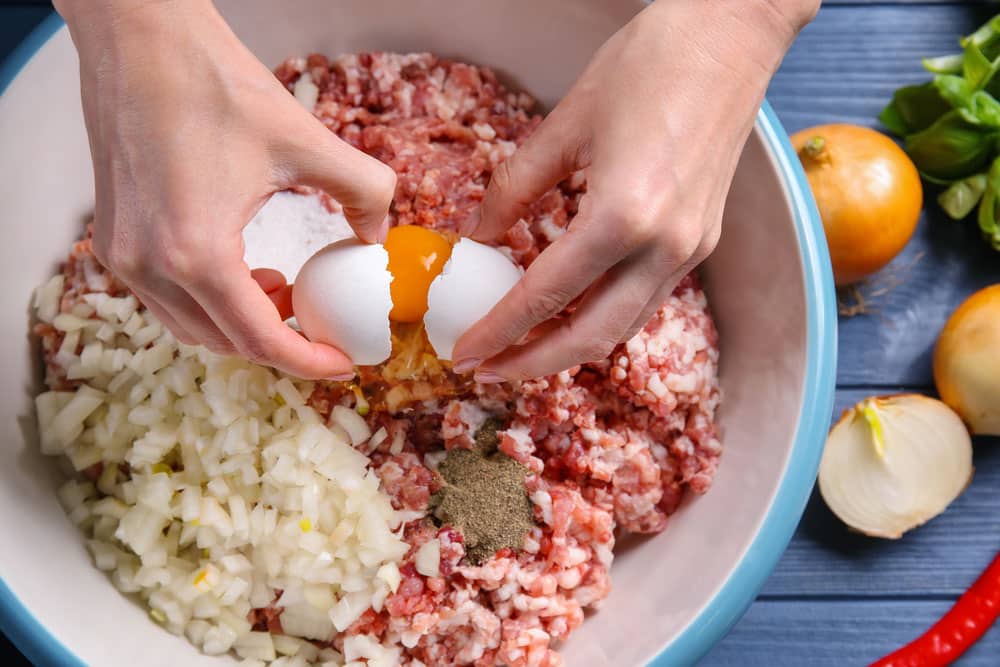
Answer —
383 231
341 378
466 365
489 377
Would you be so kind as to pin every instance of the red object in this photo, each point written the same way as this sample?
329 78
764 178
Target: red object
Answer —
967 621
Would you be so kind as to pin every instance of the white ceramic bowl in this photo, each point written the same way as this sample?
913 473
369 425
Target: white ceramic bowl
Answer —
769 284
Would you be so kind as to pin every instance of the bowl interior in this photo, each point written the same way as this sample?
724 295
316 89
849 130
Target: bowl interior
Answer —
660 584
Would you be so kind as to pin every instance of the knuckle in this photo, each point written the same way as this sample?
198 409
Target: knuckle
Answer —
708 244
502 180
216 342
184 256
542 303
256 348
387 180
596 348
636 221
682 242
634 331
123 262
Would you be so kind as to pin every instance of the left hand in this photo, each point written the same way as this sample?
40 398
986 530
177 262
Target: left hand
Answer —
658 121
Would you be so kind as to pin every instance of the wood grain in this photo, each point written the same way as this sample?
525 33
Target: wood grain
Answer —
838 598
844 68
836 634
940 558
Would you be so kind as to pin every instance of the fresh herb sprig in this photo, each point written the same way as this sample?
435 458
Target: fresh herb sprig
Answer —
951 128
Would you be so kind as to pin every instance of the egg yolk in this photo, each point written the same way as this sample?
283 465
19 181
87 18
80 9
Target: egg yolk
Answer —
416 257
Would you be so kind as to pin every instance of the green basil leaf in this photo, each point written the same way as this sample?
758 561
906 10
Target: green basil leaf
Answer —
988 222
950 64
993 177
975 66
982 109
914 108
951 148
893 121
955 90
959 200
934 180
987 217
987 33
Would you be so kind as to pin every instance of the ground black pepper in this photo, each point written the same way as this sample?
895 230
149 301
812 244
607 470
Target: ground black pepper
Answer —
483 496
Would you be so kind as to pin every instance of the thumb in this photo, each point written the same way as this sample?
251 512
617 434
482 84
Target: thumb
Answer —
362 185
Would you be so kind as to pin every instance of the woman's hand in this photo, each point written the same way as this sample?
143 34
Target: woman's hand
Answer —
658 121
190 134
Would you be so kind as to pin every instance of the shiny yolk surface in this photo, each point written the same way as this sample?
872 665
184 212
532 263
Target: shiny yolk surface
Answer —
416 257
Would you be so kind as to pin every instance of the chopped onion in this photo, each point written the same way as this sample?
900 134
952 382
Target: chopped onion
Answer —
893 463
306 91
47 298
218 485
349 420
428 558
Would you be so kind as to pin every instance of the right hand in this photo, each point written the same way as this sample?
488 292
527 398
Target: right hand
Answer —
190 135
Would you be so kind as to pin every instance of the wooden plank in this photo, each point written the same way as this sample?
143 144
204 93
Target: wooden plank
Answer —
835 634
844 68
847 62
940 558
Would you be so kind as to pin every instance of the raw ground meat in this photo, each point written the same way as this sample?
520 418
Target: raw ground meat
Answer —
615 444
612 446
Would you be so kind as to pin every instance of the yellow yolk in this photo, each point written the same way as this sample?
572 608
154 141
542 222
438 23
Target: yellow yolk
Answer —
416 257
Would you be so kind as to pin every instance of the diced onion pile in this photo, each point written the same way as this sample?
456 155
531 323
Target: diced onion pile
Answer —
235 488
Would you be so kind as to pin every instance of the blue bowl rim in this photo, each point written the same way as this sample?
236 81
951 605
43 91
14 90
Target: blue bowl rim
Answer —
734 597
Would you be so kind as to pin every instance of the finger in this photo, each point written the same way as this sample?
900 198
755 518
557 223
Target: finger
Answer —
561 273
277 289
649 311
282 300
185 311
235 302
164 317
269 279
598 325
552 152
361 184
661 297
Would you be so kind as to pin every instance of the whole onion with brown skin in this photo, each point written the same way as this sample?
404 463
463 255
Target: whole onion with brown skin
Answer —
967 361
868 193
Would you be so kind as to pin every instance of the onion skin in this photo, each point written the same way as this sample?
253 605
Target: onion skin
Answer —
868 193
967 361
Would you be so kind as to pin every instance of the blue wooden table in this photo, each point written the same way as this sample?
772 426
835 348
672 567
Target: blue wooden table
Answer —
837 598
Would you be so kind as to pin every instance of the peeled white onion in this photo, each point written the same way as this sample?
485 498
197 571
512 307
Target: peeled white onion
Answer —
893 463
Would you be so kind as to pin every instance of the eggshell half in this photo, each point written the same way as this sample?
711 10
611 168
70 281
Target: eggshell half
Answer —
341 298
475 278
